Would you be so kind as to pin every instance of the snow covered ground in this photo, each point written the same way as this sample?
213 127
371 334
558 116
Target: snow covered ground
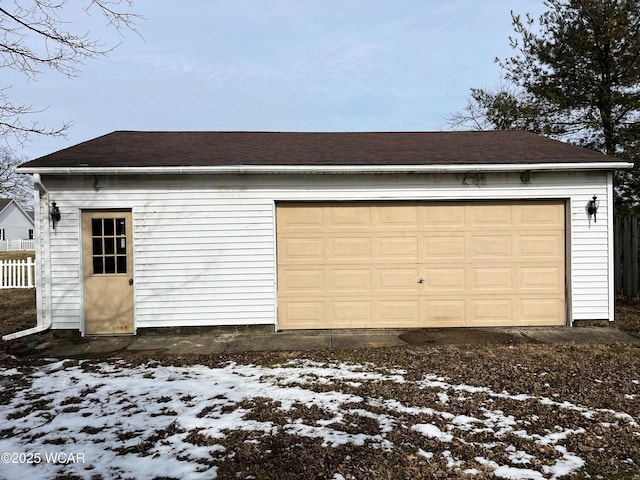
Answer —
114 420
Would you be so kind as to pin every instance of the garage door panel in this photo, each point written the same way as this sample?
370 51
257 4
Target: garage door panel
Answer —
348 217
443 248
301 218
393 216
490 311
302 281
542 247
541 215
492 279
490 246
351 314
489 216
351 249
398 280
301 249
444 217
549 278
482 264
350 280
445 279
539 310
296 314
398 313
444 312
397 248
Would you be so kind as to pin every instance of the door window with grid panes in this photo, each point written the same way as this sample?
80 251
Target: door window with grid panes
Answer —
109 246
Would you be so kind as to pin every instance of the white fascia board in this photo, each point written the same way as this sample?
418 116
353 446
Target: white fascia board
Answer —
325 169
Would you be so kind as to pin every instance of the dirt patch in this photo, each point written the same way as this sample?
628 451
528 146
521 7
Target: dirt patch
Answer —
628 316
17 255
17 312
460 336
17 309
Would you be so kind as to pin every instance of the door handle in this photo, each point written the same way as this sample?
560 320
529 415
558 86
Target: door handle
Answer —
421 280
131 281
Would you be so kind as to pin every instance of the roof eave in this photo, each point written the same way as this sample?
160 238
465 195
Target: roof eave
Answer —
325 169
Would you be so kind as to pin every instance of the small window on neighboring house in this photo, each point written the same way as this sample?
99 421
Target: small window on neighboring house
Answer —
31 234
2 234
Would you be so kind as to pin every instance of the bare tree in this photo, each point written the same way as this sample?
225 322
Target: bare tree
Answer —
12 185
504 106
35 36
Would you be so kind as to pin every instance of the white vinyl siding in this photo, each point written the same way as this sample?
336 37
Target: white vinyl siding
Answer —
204 261
590 261
204 245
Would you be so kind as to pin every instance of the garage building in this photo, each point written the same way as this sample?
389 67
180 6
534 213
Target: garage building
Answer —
144 230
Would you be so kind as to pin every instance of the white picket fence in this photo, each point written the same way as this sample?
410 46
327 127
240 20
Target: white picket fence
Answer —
17 273
10 245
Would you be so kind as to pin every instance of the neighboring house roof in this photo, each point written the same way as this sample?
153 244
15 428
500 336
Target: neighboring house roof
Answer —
6 202
155 150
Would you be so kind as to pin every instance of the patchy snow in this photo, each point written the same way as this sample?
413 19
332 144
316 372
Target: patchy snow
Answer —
518 456
423 454
112 420
432 431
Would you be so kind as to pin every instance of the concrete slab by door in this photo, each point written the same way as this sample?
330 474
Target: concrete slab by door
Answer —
107 249
397 265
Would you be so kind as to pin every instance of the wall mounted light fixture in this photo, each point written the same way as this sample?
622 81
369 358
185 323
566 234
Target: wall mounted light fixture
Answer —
592 208
54 212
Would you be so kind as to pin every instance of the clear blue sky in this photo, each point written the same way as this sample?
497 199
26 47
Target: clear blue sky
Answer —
278 65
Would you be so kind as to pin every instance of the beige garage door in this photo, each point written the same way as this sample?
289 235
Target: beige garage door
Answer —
389 265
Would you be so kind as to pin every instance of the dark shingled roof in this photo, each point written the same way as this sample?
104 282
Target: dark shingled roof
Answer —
202 149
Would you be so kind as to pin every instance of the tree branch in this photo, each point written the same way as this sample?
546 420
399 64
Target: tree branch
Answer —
33 35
